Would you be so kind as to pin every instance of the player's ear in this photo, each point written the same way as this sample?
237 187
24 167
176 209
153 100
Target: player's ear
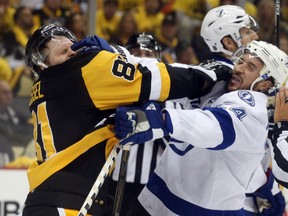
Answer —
229 43
264 85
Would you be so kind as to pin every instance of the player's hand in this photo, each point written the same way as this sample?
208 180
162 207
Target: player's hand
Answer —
91 43
281 105
140 124
223 72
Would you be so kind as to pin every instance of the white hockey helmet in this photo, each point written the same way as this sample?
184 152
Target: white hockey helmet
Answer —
275 60
223 21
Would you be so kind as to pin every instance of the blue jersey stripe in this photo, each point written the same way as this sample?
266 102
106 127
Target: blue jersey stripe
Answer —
182 207
226 125
180 152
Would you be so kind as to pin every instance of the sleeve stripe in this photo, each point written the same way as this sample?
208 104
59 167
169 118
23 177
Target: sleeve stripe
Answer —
165 82
227 127
146 82
155 82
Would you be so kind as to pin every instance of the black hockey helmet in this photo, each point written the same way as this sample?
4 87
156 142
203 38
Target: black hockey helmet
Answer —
144 42
34 57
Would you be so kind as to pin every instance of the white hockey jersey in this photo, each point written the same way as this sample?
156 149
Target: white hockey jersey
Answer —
209 162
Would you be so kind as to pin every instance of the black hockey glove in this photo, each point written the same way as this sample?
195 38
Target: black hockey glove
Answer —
91 43
223 72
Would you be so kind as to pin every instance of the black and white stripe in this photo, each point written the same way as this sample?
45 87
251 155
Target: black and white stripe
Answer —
279 152
142 161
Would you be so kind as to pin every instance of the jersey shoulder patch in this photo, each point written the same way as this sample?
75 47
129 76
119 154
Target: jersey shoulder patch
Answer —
247 97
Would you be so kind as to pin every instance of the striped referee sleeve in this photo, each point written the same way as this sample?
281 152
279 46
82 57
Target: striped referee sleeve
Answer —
279 152
142 161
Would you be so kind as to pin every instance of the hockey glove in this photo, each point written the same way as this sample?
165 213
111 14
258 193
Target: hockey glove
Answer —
223 72
91 43
140 124
274 205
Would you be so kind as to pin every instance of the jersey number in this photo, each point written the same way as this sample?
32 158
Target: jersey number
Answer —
43 137
239 112
123 69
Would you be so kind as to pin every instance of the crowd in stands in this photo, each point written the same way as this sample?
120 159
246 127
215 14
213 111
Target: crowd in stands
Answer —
174 23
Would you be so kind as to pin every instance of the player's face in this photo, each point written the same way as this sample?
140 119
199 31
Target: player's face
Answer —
248 35
142 53
246 71
58 50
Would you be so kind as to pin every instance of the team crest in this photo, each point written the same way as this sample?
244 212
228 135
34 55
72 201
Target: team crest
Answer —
247 97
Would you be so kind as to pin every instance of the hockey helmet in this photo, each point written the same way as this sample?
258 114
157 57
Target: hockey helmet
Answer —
34 57
224 21
144 42
275 62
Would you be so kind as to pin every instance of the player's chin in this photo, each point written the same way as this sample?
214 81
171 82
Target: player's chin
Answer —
233 87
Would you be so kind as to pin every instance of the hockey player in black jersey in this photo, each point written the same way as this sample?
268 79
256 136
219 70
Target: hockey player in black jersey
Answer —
75 90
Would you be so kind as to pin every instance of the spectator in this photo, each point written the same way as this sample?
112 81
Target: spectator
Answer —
266 20
185 54
5 70
195 9
14 50
77 24
51 12
35 4
126 28
127 5
191 13
6 17
248 6
167 37
148 16
107 19
14 128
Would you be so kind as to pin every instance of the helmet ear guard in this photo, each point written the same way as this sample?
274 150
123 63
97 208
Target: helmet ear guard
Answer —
222 21
35 54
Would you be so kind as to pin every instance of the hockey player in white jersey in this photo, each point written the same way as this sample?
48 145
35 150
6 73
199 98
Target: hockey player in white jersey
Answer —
224 29
213 154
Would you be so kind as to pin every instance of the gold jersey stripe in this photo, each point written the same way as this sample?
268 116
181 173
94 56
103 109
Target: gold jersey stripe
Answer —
39 173
166 82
